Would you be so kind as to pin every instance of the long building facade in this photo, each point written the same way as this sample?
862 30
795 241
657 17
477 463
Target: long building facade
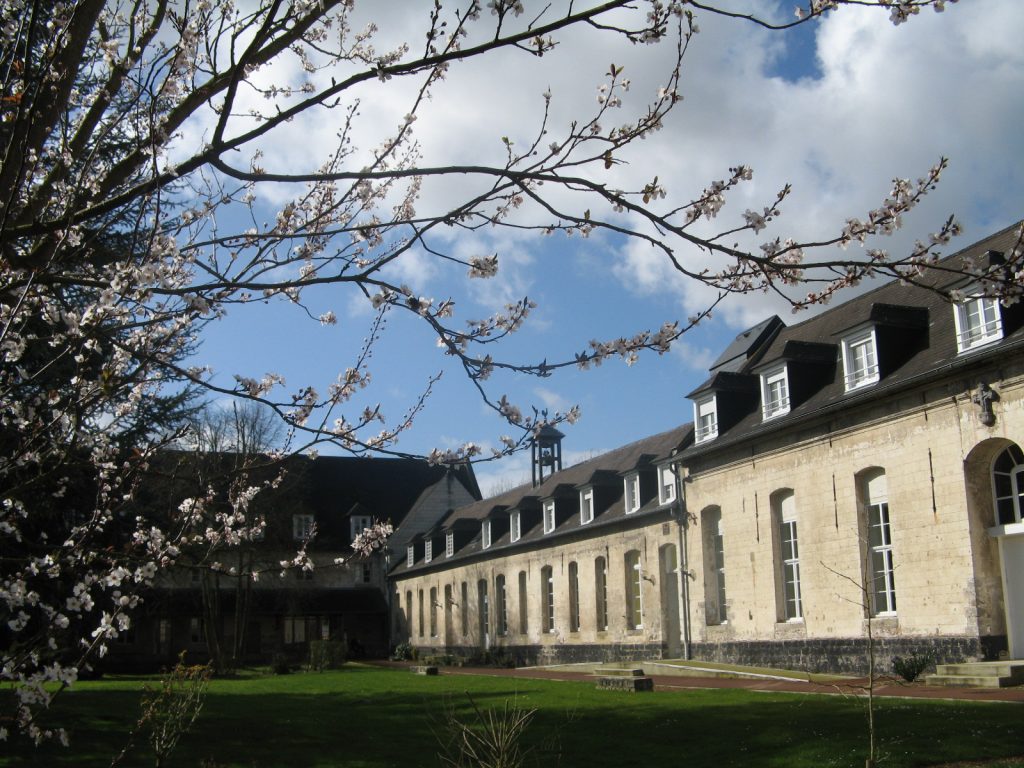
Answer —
856 474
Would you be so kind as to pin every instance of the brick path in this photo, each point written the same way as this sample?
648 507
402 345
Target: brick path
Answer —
662 682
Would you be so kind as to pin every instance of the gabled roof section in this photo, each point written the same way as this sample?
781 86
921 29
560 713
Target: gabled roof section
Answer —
746 345
608 468
920 328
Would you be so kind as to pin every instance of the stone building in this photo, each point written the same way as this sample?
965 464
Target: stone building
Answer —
209 605
858 471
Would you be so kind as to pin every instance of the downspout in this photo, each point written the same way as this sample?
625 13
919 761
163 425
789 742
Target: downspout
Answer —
683 524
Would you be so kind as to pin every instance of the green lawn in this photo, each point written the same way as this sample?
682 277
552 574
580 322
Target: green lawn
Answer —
362 717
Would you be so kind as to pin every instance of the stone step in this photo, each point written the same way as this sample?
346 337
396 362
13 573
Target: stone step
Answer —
611 672
972 681
984 669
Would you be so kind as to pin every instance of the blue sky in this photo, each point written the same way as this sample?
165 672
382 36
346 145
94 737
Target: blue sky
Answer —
837 110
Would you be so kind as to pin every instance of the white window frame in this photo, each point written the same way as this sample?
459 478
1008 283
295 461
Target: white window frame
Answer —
428 550
632 492
634 590
772 381
410 556
485 534
586 506
515 526
666 484
857 373
449 544
971 334
705 419
881 568
549 515
1008 486
357 524
789 557
302 527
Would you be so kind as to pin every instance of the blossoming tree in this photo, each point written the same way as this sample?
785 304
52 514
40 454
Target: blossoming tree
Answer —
134 180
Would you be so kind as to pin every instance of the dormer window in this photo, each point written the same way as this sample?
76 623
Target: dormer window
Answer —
549 516
978 322
632 493
860 359
666 484
586 505
486 534
358 524
302 527
705 419
410 556
515 526
774 392
428 551
449 544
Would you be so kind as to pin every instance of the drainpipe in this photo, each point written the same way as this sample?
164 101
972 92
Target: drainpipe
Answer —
683 524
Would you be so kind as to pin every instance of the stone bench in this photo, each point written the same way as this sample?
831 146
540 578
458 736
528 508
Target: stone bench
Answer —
625 683
424 670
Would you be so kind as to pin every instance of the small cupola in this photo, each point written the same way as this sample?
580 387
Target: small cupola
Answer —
546 452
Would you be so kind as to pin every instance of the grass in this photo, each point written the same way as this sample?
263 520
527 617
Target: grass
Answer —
363 717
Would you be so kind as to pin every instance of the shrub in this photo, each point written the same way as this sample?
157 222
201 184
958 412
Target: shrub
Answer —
279 664
911 667
403 652
326 654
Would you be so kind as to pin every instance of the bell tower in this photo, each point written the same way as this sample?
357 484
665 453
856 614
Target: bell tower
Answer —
546 450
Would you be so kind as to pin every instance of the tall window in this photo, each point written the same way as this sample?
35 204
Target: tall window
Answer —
601 593
486 533
880 570
774 392
501 605
634 591
464 609
408 612
524 626
547 595
484 608
433 611
549 516
978 322
714 566
302 527
632 492
705 419
1008 483
420 617
515 526
666 484
860 361
574 597
586 505
788 572
449 544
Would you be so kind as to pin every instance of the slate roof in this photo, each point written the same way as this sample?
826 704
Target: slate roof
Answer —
924 323
606 470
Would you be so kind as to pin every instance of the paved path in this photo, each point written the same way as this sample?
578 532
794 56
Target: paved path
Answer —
663 682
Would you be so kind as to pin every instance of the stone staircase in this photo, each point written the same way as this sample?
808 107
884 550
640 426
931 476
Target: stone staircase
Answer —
979 674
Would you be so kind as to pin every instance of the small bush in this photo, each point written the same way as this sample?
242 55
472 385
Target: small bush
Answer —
911 667
404 652
279 664
326 654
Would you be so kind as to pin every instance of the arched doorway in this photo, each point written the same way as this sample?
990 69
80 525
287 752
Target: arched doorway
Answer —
670 628
995 485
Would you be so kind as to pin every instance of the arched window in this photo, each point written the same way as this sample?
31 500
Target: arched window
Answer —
1008 486
601 592
880 568
714 566
524 626
574 597
433 611
547 595
790 599
501 607
634 592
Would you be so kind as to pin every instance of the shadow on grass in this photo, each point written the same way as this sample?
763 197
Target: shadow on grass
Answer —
364 718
